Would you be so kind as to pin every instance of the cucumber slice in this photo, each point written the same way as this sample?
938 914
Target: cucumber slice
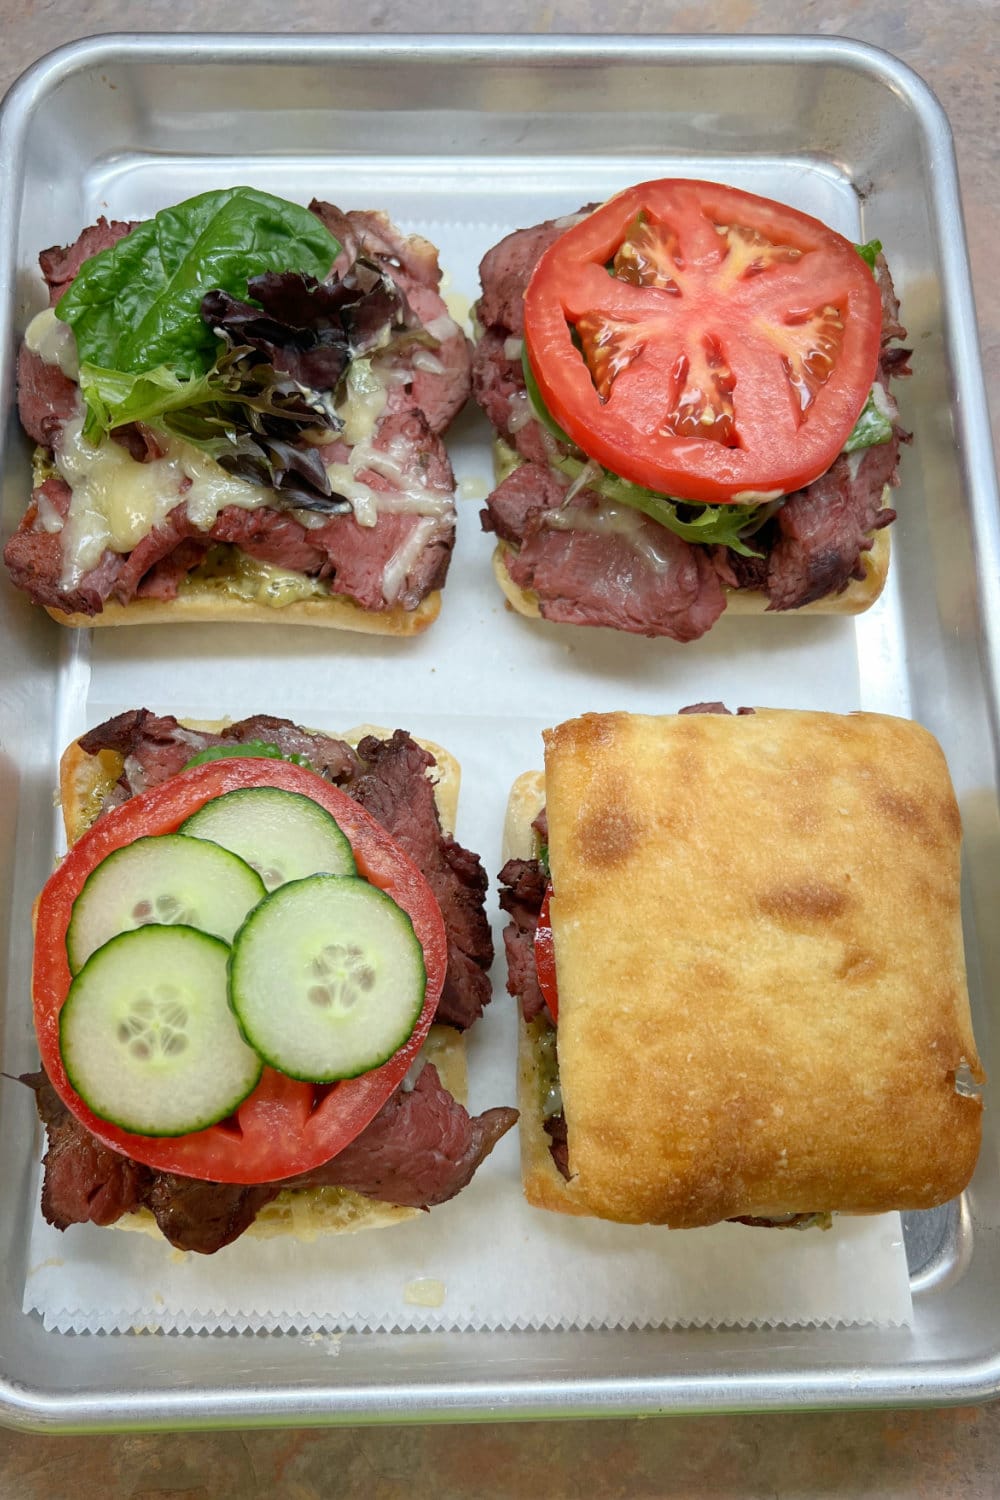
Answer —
147 1036
283 835
166 880
327 978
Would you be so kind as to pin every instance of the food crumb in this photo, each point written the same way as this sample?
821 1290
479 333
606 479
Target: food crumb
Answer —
424 1292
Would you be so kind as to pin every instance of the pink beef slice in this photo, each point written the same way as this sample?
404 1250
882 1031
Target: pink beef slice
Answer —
46 398
499 388
650 583
34 559
422 1147
350 557
505 271
60 263
412 263
522 890
823 531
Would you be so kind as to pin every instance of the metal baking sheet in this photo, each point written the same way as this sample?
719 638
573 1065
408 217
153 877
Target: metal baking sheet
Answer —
465 139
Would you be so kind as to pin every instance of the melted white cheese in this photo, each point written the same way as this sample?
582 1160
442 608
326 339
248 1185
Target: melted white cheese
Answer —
854 462
442 327
756 497
620 520
53 341
405 556
364 403
116 501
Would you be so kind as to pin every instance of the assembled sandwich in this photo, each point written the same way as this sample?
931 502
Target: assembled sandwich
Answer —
252 972
238 406
737 948
690 387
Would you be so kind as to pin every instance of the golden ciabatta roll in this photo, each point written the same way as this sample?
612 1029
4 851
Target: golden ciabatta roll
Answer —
305 1213
763 1007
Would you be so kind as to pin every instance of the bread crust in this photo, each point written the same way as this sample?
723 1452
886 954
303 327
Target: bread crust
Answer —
305 1213
209 604
772 1023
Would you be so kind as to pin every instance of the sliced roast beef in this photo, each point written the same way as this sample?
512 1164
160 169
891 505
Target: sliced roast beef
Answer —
126 732
46 398
522 890
394 788
139 441
892 328
823 531
421 1148
396 562
558 1134
646 580
410 260
84 1182
163 580
204 1216
505 271
499 388
527 490
33 556
438 378
60 263
332 758
601 565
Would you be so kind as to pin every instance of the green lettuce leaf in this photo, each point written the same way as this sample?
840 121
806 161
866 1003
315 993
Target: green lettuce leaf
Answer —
137 306
872 427
721 525
869 252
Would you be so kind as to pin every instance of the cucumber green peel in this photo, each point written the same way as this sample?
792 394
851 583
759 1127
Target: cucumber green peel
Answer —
254 749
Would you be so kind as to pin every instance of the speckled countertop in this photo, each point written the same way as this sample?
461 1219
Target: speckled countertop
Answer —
955 46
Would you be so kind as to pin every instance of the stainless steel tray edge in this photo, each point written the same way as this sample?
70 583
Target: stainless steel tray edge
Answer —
740 1379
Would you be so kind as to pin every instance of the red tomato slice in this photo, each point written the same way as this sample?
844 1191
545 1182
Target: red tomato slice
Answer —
545 958
285 1126
703 342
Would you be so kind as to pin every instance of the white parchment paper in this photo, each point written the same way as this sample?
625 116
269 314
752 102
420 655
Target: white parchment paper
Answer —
483 682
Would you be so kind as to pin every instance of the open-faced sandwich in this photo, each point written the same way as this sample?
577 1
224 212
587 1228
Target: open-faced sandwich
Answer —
736 942
238 406
690 386
252 972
